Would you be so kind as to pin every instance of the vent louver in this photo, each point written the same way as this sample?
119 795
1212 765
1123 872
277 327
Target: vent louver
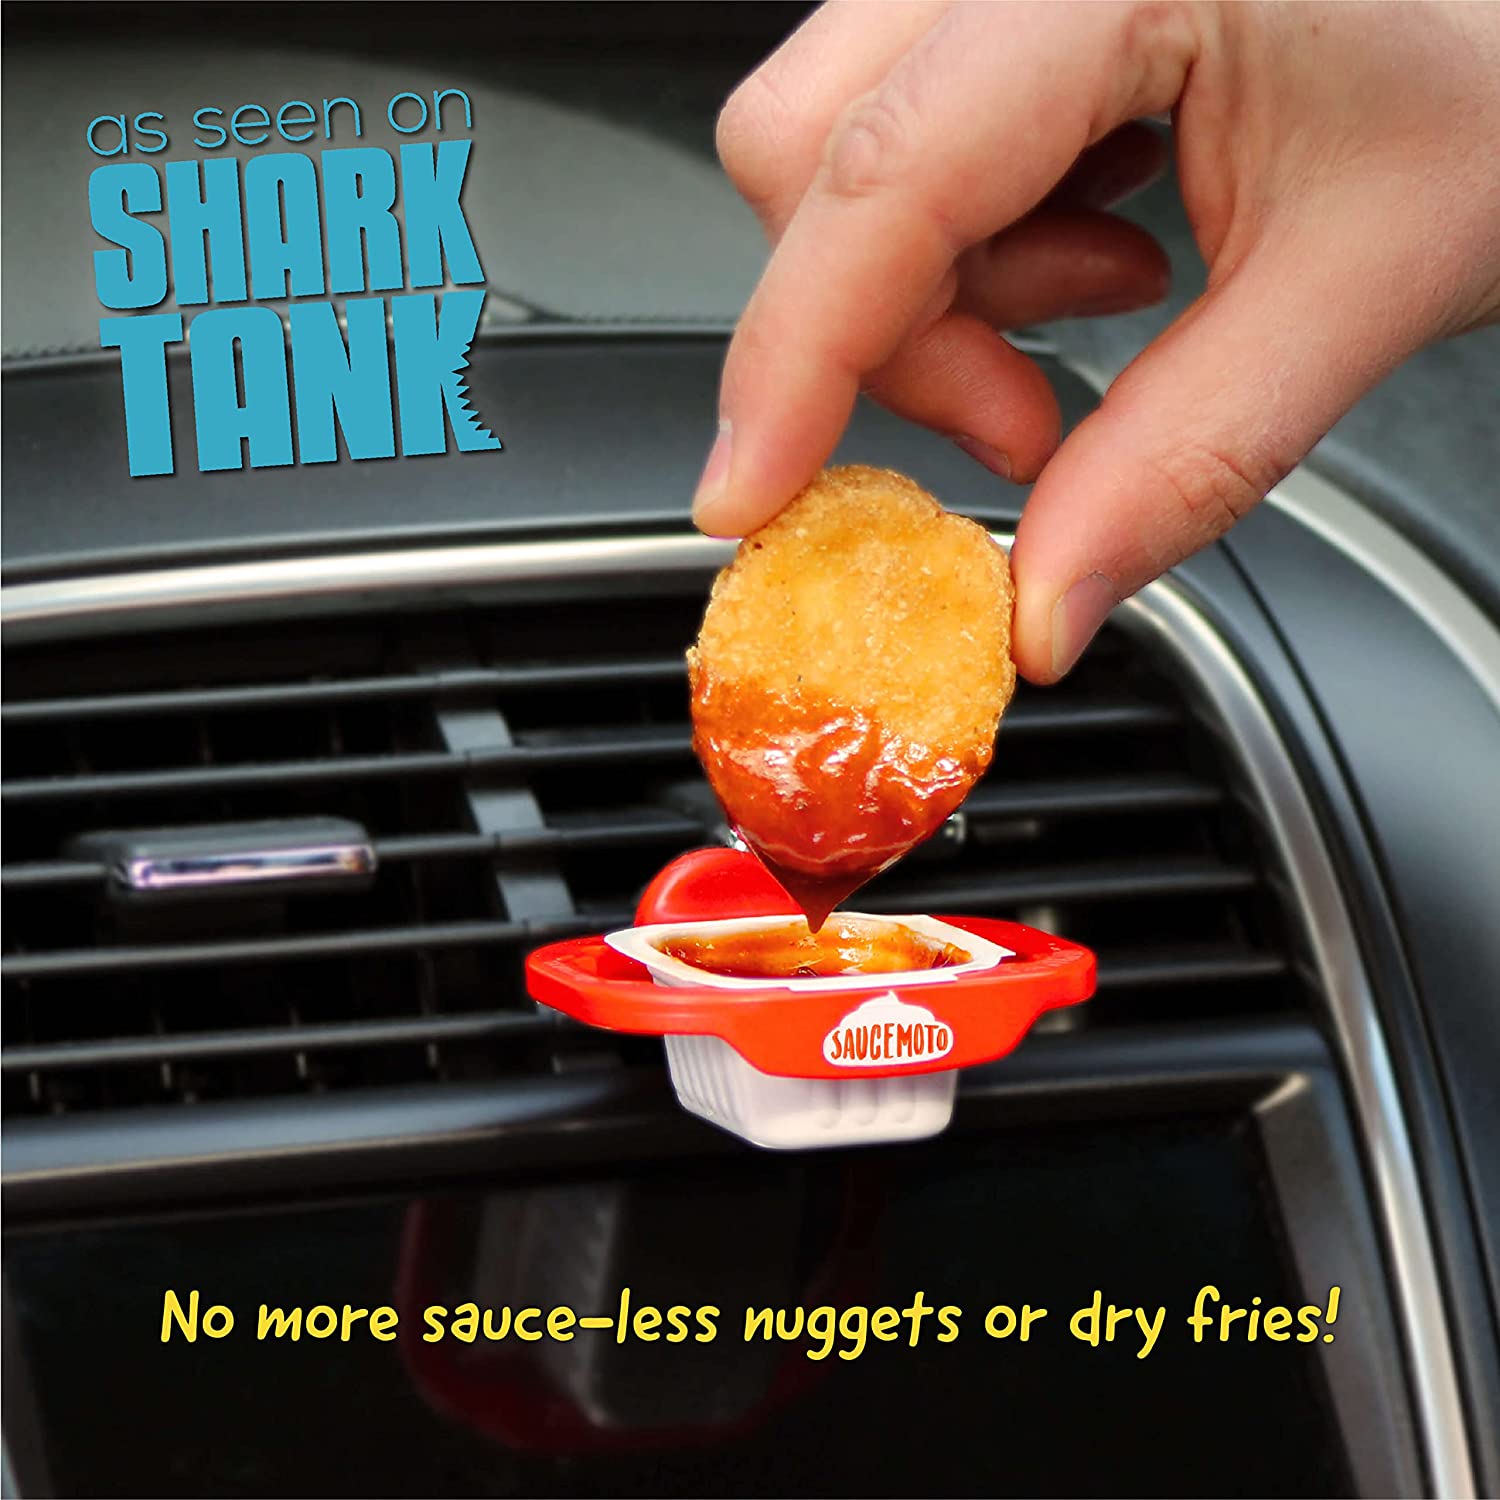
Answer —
521 772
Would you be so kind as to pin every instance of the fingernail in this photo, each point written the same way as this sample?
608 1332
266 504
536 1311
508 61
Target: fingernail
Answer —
1077 616
1100 307
992 458
715 477
1113 186
1121 302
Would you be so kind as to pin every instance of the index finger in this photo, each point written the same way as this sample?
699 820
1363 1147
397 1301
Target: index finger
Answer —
969 131
771 131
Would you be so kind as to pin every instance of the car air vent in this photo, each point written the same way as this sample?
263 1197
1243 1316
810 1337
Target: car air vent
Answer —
518 774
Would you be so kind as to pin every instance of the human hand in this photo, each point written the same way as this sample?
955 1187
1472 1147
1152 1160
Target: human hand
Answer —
931 172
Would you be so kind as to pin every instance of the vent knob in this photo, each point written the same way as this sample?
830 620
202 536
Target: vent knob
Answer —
226 859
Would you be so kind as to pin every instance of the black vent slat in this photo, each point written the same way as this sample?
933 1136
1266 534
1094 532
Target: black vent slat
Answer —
187 780
1019 888
1125 882
1100 716
68 962
152 1050
1122 881
604 833
1223 966
1065 718
521 772
1161 969
540 752
1085 796
51 873
552 676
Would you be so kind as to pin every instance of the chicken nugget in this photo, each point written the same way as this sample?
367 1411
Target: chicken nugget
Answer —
849 677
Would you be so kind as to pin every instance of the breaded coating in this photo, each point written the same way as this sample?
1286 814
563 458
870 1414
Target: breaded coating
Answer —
850 674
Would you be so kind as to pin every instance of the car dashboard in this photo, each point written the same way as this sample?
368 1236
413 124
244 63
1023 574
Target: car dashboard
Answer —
1265 799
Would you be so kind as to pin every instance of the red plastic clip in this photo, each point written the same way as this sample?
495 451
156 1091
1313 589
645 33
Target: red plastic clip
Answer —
887 1028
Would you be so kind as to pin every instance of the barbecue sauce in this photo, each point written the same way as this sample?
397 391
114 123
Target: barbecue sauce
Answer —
845 945
823 794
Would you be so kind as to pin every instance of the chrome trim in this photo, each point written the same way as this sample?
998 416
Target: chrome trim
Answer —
210 859
1161 611
1381 551
172 874
69 606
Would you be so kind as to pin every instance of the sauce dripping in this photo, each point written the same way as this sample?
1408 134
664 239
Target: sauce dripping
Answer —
824 795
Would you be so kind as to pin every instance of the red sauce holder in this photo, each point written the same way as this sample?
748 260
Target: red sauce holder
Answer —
789 1064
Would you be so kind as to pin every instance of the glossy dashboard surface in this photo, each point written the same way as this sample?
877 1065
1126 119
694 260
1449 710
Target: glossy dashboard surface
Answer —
1009 1217
1407 798
627 219
646 404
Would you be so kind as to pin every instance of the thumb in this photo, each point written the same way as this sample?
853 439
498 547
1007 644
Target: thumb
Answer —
1198 429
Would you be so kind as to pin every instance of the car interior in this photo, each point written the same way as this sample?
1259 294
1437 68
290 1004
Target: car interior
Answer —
1268 799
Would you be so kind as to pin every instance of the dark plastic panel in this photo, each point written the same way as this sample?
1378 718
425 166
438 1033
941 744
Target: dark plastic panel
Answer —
600 433
1282 1187
1312 594
1420 745
1218 577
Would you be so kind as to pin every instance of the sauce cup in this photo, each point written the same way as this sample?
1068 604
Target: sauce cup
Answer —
878 1028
